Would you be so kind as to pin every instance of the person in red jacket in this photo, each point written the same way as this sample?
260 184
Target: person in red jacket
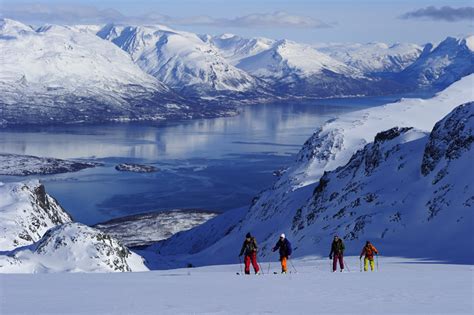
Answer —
368 251
249 248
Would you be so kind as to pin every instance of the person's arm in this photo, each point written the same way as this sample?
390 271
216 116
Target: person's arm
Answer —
343 247
332 250
277 245
375 249
362 253
255 244
289 249
242 249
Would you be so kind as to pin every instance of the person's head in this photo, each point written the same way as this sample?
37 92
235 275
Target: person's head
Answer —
282 236
367 243
336 238
248 236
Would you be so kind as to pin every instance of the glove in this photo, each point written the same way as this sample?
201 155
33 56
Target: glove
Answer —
240 255
330 256
360 257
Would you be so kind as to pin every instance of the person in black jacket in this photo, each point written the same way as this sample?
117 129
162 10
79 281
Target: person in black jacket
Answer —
337 252
285 250
249 248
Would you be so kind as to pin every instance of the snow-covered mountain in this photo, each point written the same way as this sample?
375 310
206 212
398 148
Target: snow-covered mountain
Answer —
374 57
182 60
439 66
58 74
26 213
72 247
353 172
37 235
300 70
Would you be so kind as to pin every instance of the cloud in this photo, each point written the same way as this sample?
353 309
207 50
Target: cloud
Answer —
60 13
77 14
445 13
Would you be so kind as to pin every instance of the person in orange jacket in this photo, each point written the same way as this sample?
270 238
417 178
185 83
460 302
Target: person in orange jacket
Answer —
368 251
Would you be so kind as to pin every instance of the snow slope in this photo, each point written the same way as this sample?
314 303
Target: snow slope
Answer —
289 205
401 286
59 74
373 57
182 60
26 213
72 247
235 48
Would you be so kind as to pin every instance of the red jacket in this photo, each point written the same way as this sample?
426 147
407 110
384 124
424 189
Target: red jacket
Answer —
369 251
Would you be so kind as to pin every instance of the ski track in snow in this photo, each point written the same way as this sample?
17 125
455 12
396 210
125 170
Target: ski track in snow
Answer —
401 286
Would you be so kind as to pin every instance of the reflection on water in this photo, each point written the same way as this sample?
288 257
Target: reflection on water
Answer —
216 164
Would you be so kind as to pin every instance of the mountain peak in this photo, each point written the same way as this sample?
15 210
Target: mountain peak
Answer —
13 27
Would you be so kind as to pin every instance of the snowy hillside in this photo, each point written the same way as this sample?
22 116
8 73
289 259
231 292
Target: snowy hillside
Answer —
58 74
235 48
26 213
439 66
182 60
291 205
147 228
72 247
374 57
402 286
24 165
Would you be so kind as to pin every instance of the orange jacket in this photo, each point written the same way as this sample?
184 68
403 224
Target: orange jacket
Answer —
369 251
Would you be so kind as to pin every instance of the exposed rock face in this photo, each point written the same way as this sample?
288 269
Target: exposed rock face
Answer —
449 139
26 213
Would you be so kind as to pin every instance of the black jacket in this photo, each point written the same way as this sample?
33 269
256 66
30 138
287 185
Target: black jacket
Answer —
249 247
284 246
337 247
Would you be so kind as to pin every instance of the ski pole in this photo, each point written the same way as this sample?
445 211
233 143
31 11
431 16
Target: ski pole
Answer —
268 268
296 271
260 267
377 256
345 265
240 264
360 264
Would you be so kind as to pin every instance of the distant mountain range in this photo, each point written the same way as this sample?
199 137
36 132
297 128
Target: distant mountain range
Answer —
94 73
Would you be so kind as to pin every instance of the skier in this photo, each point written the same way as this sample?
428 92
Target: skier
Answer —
337 248
369 250
284 247
249 248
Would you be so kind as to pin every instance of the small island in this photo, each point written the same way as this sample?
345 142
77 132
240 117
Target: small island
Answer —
136 168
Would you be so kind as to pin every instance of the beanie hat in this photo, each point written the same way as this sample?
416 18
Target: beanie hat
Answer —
248 235
282 235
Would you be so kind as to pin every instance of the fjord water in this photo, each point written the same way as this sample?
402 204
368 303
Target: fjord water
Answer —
213 164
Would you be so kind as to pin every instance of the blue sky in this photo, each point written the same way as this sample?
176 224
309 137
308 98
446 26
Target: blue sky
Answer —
308 21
